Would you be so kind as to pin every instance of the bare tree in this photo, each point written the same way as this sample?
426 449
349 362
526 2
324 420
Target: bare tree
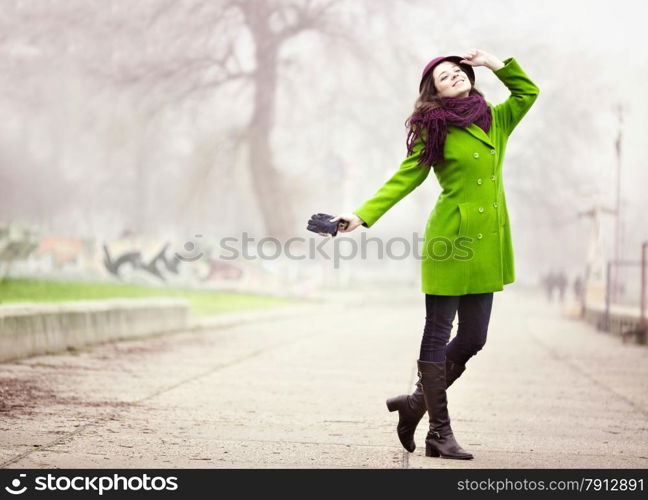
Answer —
271 25
203 53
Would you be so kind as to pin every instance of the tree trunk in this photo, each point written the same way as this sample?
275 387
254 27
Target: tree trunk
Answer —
273 198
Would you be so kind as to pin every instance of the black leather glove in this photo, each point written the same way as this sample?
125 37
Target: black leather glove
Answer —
319 223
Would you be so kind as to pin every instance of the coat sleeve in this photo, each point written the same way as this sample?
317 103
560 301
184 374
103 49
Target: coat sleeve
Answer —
523 94
404 181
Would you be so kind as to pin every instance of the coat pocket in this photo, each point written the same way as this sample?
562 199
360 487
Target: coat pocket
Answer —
477 219
464 215
479 239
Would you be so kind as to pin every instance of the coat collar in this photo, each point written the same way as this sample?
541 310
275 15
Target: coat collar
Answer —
479 133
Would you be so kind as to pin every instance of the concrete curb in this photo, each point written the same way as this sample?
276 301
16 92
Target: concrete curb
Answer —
29 329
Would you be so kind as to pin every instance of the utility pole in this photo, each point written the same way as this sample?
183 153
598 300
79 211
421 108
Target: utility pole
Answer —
615 282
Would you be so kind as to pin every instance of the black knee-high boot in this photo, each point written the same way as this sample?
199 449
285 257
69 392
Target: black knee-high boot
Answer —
411 407
440 440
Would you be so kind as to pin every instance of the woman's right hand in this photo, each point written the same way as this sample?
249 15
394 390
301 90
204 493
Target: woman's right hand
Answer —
352 219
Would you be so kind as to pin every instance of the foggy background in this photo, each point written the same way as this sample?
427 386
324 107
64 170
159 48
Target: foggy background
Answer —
164 120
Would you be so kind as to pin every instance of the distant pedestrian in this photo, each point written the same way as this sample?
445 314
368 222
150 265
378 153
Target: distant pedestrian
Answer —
578 288
579 294
561 284
549 282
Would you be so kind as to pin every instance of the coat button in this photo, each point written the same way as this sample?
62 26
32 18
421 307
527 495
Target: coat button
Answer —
479 236
495 204
479 181
476 155
481 209
492 178
492 151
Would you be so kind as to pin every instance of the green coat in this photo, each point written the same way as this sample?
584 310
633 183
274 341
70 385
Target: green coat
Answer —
467 246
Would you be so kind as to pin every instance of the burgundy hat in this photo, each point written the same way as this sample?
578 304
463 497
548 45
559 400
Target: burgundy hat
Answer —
430 66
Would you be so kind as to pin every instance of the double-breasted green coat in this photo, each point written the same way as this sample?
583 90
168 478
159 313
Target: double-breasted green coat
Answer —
467 246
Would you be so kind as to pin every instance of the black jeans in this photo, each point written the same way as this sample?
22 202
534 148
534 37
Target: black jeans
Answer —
474 314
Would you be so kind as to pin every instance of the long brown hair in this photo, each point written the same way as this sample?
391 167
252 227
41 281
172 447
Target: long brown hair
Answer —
429 98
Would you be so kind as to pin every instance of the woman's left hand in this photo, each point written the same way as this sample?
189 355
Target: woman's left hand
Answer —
476 57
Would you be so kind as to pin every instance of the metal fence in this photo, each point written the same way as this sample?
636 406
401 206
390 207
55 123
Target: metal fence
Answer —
625 297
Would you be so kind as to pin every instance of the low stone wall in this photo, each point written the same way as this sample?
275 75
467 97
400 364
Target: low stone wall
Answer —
28 329
622 321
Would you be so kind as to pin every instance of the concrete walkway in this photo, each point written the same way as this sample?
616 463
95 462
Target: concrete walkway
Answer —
308 390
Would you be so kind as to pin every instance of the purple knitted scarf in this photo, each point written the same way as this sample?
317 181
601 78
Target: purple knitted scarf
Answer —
433 124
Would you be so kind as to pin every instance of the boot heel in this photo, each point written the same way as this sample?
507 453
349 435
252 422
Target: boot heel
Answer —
396 403
431 451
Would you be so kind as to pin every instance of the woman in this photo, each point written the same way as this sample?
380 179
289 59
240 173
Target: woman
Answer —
468 251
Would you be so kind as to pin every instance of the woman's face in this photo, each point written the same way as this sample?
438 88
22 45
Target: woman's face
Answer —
450 80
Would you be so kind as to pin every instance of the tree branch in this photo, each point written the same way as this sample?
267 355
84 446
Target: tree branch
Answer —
308 17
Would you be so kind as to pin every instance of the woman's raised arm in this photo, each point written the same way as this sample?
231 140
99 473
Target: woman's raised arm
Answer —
523 94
